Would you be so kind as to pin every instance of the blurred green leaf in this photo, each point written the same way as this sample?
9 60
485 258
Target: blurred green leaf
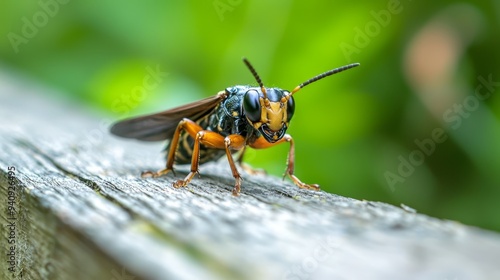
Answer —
350 129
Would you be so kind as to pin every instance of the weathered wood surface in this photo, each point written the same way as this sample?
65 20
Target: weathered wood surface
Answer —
84 213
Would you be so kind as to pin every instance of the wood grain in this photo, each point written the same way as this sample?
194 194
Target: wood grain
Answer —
83 212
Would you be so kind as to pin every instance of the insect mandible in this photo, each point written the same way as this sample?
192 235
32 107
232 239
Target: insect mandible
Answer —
228 122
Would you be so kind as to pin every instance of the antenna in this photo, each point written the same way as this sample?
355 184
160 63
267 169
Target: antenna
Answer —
323 75
256 76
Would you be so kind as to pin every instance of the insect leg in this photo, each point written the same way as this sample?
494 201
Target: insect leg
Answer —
239 158
192 129
248 169
235 142
261 143
214 140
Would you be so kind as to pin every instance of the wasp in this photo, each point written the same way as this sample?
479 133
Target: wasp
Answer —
226 123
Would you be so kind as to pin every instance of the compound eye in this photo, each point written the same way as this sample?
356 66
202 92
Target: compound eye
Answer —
251 105
290 108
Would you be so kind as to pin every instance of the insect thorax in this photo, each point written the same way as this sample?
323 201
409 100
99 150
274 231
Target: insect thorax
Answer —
227 118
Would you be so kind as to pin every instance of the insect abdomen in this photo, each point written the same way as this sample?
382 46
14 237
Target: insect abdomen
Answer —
184 151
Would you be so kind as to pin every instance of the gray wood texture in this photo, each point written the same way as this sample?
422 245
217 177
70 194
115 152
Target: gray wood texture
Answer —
83 212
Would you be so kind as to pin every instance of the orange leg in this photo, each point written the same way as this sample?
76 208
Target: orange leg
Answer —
248 169
216 141
207 138
185 124
261 143
234 142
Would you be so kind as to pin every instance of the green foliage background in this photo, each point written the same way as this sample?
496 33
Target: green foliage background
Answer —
350 129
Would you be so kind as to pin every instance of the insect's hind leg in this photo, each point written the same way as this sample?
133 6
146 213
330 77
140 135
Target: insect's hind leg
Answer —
192 129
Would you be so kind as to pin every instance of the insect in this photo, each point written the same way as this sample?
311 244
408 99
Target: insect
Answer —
228 122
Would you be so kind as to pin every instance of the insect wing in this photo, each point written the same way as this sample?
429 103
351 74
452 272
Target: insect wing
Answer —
161 126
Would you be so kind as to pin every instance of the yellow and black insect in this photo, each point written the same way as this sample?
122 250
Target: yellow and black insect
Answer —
236 117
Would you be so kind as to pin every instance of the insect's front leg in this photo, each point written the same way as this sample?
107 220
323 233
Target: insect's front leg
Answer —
261 143
214 140
192 129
